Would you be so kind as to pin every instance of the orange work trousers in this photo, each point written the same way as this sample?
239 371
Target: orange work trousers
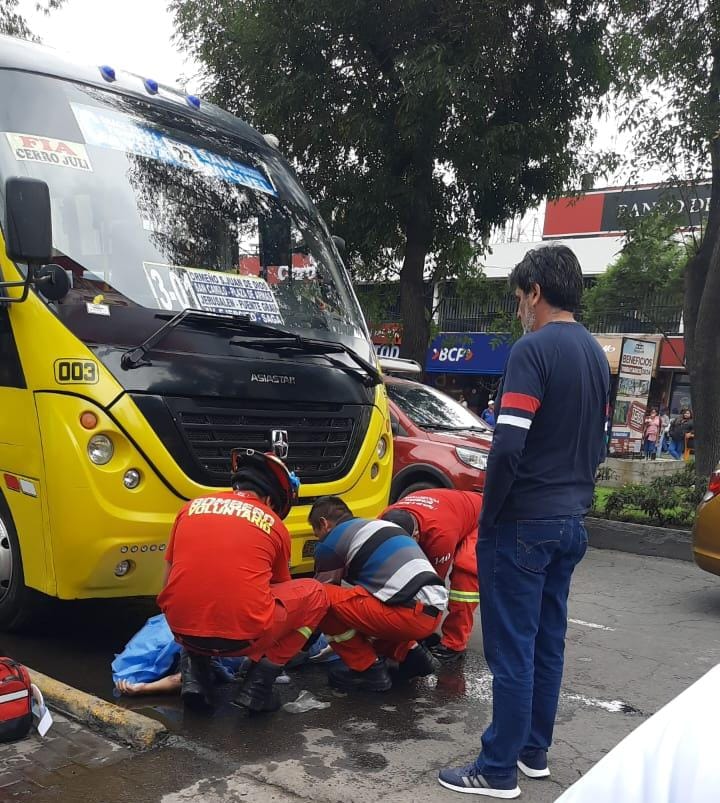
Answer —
300 605
361 628
464 595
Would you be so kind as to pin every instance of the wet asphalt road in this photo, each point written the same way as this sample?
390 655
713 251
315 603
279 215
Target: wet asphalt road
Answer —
643 629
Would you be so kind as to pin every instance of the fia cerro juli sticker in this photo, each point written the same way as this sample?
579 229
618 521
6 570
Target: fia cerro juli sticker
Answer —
46 150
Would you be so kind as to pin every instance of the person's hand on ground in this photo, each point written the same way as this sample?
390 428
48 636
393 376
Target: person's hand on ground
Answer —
170 683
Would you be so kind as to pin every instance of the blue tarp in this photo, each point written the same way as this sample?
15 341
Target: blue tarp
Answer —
468 353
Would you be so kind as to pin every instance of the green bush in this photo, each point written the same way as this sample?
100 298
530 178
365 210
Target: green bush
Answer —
670 499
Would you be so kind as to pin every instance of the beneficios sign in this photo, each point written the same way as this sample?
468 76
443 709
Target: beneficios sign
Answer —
636 368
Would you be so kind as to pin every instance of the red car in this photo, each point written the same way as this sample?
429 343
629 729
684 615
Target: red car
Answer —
438 443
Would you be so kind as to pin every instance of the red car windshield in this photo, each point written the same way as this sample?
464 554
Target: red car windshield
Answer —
429 408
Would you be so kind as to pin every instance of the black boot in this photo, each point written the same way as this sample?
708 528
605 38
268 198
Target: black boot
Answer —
257 692
196 677
375 678
418 664
447 656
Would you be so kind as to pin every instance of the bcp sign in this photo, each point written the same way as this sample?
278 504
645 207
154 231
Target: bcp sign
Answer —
454 354
468 353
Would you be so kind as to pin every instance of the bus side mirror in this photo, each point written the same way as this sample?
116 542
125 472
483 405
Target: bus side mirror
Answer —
28 223
340 245
53 282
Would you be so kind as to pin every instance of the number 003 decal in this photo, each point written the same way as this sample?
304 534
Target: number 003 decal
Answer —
76 372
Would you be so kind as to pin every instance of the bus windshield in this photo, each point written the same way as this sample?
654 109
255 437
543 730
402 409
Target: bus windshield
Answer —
154 208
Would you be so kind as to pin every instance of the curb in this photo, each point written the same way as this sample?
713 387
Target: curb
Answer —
640 539
110 720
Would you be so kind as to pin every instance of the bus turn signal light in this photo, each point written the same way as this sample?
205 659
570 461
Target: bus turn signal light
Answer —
88 420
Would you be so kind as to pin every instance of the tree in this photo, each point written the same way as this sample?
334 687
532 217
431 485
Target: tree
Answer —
668 54
651 262
13 23
417 125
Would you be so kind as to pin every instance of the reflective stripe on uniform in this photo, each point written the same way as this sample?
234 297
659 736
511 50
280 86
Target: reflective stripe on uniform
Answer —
464 596
305 631
346 636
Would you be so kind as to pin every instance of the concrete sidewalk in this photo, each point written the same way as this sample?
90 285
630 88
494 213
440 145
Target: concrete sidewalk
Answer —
36 764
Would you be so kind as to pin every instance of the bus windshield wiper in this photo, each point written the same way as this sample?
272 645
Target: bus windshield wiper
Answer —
135 356
266 333
324 348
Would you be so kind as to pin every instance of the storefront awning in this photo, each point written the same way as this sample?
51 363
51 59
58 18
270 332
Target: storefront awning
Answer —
672 353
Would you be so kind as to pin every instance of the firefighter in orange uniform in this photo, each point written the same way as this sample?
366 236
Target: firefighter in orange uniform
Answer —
228 589
445 524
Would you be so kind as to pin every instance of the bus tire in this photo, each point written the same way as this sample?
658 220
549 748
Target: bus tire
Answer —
20 607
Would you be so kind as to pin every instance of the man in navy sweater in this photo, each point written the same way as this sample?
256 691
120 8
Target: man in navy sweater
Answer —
549 440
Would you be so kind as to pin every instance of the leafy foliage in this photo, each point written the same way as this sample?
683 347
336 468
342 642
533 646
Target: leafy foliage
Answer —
417 126
665 51
670 499
652 260
13 23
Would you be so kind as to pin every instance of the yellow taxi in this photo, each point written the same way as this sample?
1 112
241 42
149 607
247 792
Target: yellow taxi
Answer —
706 533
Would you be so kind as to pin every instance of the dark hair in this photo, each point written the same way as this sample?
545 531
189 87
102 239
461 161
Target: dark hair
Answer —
556 270
259 483
331 508
403 518
252 487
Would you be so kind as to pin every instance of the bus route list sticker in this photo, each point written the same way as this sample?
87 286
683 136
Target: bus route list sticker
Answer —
46 150
178 288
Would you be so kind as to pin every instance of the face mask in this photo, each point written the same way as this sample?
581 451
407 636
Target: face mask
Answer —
527 320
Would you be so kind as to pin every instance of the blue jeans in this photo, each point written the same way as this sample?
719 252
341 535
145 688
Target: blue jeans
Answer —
677 448
525 568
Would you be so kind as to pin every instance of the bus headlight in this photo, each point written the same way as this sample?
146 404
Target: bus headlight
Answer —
132 478
382 447
472 457
100 449
123 568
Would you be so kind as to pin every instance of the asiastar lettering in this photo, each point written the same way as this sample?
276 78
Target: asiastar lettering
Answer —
273 379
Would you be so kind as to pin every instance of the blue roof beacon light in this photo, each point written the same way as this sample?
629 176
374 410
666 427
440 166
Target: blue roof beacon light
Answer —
151 86
108 73
193 100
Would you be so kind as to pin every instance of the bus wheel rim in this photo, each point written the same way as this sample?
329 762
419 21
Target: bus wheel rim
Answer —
6 560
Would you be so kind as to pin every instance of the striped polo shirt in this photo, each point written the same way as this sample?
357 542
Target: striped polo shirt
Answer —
383 559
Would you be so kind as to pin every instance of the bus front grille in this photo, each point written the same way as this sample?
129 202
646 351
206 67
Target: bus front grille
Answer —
323 440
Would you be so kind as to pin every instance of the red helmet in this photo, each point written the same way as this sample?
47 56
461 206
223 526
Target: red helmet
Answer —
270 474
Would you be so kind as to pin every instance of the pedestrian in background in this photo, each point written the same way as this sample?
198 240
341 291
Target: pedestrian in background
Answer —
549 441
651 433
689 432
488 414
664 430
680 427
